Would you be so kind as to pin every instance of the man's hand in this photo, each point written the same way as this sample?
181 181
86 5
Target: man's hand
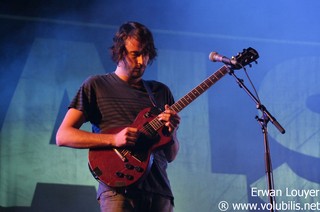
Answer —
126 137
170 118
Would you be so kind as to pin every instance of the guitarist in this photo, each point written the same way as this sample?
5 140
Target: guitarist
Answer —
114 100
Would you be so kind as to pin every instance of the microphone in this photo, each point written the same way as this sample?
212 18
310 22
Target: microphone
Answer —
215 57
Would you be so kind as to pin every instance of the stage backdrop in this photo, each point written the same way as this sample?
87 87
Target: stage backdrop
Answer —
49 49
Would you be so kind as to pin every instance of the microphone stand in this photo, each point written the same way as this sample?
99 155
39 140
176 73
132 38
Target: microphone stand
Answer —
263 121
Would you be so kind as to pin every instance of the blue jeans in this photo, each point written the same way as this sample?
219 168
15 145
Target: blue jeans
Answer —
111 201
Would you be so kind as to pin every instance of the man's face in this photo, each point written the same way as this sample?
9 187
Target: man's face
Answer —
136 61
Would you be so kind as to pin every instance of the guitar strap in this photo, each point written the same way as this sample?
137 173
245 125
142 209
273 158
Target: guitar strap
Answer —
151 96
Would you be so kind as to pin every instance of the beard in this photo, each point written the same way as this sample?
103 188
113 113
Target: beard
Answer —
137 73
134 71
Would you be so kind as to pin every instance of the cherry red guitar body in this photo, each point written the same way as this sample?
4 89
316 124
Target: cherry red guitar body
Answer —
122 167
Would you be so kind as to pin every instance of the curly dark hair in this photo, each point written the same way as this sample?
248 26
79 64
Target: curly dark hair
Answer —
137 31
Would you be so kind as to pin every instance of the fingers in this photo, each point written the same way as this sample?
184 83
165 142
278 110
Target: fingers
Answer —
170 118
131 135
127 137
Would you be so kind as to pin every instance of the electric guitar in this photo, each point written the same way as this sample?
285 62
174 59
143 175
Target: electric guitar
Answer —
122 167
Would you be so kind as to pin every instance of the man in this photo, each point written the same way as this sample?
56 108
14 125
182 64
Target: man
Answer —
114 100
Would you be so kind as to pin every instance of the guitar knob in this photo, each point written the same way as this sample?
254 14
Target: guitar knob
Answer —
120 174
138 169
129 166
129 177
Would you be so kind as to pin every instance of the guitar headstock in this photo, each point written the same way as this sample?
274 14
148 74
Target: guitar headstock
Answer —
246 57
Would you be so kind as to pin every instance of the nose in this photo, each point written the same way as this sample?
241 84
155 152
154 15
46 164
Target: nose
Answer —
140 59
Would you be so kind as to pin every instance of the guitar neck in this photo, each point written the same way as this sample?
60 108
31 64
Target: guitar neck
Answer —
200 89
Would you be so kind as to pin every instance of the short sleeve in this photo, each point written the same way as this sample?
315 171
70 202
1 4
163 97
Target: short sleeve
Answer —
85 101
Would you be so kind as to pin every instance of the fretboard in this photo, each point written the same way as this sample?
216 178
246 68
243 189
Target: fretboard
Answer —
155 124
200 89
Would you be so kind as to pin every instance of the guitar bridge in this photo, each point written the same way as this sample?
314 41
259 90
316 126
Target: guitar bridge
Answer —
121 156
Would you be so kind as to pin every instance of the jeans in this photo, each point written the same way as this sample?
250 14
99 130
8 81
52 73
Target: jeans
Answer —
111 201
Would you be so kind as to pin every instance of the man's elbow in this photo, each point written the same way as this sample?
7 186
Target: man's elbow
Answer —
170 159
171 155
59 139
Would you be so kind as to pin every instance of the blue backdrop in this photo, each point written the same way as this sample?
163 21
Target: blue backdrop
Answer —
49 48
